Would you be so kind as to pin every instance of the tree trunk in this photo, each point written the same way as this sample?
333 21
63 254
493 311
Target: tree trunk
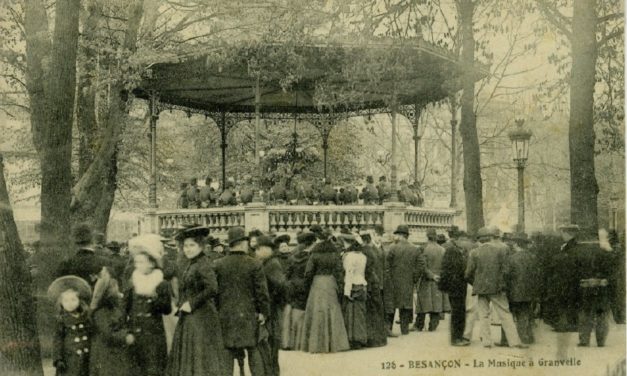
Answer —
86 101
19 341
583 183
51 90
94 193
468 127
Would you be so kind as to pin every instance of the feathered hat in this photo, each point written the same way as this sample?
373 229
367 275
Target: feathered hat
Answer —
149 244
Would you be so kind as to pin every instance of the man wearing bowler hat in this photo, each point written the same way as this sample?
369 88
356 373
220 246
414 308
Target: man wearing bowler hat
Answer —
243 301
405 267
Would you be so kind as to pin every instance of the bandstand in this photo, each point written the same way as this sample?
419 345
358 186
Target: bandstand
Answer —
228 94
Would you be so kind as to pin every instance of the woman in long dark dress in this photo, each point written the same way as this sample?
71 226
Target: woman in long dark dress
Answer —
197 347
355 264
323 328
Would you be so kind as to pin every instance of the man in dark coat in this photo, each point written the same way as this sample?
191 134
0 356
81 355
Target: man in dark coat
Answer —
243 301
405 267
453 283
383 189
85 263
192 194
370 193
206 195
522 286
278 288
429 298
246 193
328 195
227 198
486 271
593 268
183 201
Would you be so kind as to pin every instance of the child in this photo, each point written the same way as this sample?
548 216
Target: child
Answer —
71 344
111 339
149 298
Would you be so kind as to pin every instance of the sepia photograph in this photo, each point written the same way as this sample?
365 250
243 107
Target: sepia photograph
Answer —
312 187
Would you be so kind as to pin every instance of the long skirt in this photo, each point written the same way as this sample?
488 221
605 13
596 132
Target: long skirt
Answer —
377 327
294 329
323 328
355 316
286 323
197 347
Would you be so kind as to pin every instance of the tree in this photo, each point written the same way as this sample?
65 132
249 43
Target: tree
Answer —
51 82
18 329
589 19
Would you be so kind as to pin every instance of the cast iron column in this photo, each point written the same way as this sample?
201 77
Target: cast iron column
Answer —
521 198
154 116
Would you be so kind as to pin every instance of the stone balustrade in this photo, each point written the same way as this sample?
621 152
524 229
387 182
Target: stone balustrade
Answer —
293 218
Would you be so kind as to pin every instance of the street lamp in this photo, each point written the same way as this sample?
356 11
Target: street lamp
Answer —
519 136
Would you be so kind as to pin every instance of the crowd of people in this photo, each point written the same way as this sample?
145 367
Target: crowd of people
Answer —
248 297
295 192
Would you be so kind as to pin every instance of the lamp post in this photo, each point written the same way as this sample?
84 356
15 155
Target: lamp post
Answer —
614 200
519 136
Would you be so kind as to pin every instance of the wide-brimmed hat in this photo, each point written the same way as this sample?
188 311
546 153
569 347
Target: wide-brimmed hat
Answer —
265 241
306 237
149 244
285 238
236 234
402 229
69 282
350 238
192 231
255 233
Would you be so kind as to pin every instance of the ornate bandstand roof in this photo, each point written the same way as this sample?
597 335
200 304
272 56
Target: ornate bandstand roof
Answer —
200 83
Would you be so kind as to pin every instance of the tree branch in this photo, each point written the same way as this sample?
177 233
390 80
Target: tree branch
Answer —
554 16
610 17
618 32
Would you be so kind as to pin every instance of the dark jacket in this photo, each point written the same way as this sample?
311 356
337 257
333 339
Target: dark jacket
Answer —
85 264
207 195
145 315
523 278
296 278
592 262
370 194
110 355
324 260
328 195
227 198
452 279
72 343
405 266
242 294
376 257
246 195
487 269
213 255
277 287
